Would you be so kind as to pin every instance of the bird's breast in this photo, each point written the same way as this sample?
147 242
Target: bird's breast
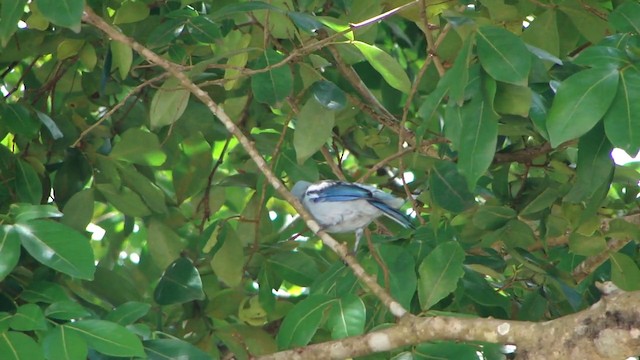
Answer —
343 216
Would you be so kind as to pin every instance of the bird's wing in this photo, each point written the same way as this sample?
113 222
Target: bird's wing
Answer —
338 191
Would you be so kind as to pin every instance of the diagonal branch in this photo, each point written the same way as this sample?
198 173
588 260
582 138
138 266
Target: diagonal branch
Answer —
396 309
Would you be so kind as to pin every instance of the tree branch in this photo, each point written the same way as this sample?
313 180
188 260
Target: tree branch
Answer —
609 329
395 308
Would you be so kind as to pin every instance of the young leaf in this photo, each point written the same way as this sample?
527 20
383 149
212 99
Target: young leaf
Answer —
313 129
386 65
580 103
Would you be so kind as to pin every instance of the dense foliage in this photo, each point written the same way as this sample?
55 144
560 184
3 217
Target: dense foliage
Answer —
133 224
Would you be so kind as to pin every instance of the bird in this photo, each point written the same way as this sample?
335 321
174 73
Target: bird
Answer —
340 207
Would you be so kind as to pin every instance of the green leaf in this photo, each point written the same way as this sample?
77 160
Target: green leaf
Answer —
66 310
29 317
180 283
624 272
10 12
503 55
313 129
107 338
460 72
493 217
78 211
626 17
602 57
28 186
329 95
164 244
590 25
581 101
130 12
18 346
162 349
587 245
448 188
66 13
9 250
204 30
152 195
391 71
274 85
128 313
228 261
168 103
622 121
517 234
58 247
302 322
478 138
513 100
295 267
347 317
306 22
594 167
400 265
50 125
17 119
439 273
124 200
64 344
543 38
544 200
122 56
235 8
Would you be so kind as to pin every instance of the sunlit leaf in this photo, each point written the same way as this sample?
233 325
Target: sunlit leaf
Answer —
386 65
58 247
582 100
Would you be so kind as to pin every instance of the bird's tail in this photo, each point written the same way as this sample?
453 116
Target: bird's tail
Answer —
394 214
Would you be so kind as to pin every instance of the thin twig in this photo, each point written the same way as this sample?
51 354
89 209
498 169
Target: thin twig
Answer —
118 106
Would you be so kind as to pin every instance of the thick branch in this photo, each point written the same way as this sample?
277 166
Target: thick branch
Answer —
610 329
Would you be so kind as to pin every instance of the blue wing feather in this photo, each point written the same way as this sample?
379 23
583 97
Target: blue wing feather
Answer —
393 214
339 191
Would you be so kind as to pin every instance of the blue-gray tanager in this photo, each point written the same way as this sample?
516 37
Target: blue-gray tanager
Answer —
340 207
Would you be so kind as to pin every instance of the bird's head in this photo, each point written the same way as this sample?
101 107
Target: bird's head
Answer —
300 188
